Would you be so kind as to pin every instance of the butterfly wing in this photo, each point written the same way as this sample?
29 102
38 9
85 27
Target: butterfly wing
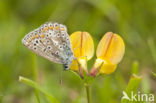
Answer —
57 33
64 44
47 42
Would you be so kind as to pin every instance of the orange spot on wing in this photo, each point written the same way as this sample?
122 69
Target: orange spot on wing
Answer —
42 35
45 29
63 29
33 37
42 41
36 36
51 27
29 41
57 27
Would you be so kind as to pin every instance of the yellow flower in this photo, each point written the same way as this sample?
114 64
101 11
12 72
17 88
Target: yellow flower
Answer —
83 49
109 53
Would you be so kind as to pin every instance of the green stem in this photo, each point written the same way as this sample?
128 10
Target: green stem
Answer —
88 92
38 88
34 68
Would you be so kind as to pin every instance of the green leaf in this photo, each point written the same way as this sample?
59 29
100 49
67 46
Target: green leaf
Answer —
37 87
132 87
135 67
76 74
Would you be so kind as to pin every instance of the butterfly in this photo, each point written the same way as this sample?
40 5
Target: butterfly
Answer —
52 42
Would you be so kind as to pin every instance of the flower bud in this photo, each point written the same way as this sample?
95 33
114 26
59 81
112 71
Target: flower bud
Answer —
109 53
83 49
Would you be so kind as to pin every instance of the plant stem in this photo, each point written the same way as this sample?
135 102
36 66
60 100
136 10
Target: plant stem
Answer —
88 92
37 87
34 68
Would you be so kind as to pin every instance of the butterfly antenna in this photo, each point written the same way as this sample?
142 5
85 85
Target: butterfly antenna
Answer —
61 77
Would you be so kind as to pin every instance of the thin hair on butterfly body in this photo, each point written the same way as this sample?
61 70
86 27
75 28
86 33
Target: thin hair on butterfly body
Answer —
52 42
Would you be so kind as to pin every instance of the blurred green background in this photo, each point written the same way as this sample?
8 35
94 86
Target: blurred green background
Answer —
134 20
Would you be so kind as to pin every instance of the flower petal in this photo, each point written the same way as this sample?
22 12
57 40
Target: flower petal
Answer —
82 45
111 48
102 67
107 68
74 66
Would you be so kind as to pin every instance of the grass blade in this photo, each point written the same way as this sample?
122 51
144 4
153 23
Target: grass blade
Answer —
135 67
34 68
37 87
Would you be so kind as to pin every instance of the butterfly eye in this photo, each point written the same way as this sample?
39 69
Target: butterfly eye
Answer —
65 66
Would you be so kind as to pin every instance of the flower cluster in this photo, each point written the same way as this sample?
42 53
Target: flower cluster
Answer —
109 53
